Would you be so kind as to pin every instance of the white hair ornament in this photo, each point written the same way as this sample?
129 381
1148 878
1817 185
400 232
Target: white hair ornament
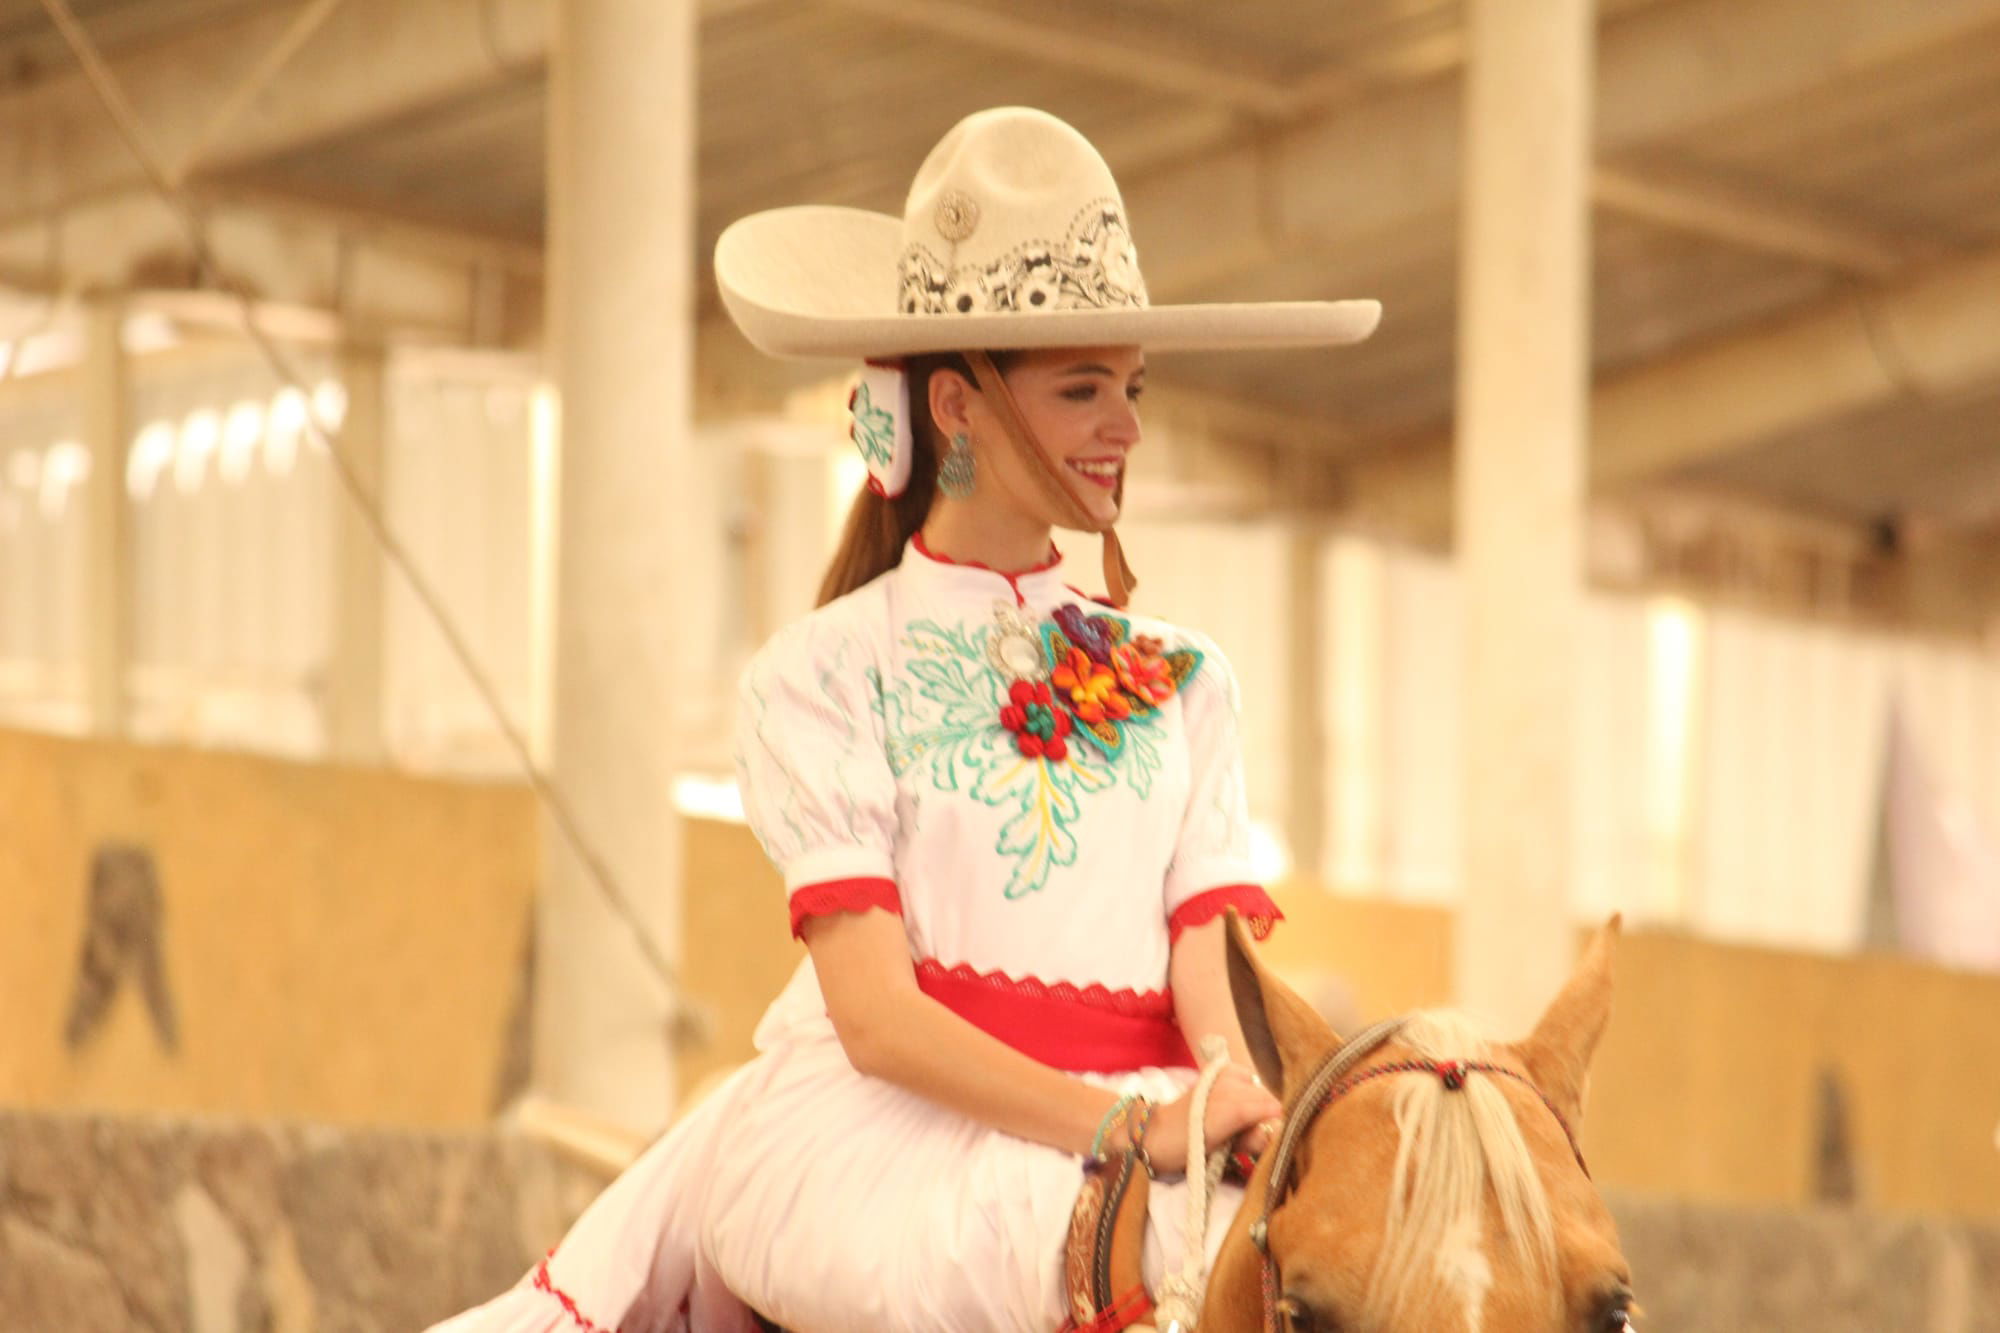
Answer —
879 405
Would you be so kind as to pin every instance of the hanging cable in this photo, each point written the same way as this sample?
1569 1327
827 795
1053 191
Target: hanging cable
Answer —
105 83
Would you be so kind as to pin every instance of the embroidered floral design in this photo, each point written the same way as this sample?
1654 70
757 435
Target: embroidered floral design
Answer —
1095 266
1040 730
939 717
874 429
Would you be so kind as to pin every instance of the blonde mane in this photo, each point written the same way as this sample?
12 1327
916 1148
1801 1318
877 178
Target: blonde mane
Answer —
1453 1146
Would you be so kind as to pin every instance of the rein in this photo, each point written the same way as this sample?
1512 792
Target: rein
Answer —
1331 1081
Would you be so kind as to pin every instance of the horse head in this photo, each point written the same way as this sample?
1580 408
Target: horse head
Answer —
1428 1178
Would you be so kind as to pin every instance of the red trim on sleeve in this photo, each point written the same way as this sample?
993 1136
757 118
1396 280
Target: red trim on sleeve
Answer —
577 1317
1251 903
843 895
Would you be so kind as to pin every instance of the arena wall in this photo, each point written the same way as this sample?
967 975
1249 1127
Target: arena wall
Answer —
349 946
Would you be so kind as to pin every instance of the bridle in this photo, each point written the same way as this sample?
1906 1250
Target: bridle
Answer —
1331 1081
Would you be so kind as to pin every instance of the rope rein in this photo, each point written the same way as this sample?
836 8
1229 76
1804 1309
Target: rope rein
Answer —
1181 1293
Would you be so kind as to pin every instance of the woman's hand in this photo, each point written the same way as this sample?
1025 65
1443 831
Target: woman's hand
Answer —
1236 1103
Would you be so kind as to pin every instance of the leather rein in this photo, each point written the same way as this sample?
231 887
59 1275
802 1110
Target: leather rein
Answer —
1335 1078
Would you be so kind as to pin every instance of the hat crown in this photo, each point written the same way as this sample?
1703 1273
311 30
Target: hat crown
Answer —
1014 212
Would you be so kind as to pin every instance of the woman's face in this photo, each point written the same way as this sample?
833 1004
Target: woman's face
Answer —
1082 404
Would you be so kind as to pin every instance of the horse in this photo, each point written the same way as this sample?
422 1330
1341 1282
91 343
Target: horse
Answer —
1425 1178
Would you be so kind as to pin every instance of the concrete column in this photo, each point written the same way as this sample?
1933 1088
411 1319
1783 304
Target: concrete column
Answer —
355 659
107 434
1524 377
622 292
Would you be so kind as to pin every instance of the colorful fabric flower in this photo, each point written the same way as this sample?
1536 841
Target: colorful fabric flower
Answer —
1091 688
1040 729
1143 671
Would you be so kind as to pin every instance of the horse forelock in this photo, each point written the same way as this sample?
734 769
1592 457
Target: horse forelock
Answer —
1451 1146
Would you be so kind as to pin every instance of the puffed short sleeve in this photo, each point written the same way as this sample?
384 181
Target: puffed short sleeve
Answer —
813 769
1212 870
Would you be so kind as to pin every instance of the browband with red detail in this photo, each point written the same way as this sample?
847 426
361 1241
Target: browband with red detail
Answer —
1329 1083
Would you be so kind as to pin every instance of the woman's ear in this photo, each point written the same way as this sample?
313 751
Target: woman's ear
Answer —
951 403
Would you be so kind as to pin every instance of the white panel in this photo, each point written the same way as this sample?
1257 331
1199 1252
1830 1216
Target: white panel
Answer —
1618 862
1424 762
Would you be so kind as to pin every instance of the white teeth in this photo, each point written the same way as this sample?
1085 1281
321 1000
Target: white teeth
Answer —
1106 470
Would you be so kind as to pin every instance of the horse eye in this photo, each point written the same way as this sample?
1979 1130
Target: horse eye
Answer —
1618 1319
1298 1317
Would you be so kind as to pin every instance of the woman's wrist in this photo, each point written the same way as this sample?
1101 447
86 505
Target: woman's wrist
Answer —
1112 1122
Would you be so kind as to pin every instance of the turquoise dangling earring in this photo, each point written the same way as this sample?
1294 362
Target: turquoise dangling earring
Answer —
955 474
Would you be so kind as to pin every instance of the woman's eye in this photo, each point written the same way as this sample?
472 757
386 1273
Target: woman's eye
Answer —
1135 392
1080 393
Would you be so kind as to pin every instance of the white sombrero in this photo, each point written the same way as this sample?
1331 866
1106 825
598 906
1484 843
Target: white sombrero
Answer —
1013 236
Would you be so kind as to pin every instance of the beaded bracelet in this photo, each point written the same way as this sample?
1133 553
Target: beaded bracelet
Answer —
1142 1122
1110 1122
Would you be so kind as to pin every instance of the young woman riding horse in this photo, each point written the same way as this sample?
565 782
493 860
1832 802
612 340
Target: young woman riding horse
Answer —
1010 818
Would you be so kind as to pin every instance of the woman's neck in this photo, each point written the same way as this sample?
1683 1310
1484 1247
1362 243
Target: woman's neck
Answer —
970 534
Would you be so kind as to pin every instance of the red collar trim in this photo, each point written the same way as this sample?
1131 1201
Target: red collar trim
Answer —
923 549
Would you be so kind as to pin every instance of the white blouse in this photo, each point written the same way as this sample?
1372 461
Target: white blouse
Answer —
881 766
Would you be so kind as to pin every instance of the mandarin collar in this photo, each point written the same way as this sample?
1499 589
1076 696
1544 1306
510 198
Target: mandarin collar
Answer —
964 577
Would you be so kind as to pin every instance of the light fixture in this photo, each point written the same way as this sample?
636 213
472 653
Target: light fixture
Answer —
241 431
200 434
152 449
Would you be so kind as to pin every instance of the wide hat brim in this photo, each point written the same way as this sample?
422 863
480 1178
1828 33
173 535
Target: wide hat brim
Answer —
816 281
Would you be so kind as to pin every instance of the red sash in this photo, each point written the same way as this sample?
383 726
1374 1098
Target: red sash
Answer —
1075 1028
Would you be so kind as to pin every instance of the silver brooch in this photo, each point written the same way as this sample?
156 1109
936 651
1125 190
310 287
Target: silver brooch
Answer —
957 215
1016 646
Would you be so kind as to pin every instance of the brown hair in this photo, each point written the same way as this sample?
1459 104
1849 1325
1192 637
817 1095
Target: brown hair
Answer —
871 542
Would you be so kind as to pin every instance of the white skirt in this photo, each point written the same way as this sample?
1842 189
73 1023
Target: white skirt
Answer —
830 1201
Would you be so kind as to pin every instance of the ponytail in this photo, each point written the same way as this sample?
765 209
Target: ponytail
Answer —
872 540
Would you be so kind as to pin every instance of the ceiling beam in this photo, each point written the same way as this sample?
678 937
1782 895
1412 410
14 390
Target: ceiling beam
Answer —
1125 53
1329 183
383 277
1933 334
1759 219
371 61
1321 184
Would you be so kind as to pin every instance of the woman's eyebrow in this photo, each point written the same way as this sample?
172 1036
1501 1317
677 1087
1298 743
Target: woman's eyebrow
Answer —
1095 368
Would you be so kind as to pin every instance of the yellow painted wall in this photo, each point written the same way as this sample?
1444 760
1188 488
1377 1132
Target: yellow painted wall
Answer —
343 946
1707 1083
340 944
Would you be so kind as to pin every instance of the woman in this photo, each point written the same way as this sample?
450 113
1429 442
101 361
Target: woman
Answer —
1010 820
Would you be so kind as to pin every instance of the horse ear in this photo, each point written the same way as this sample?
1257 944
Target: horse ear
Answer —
1287 1039
1558 1053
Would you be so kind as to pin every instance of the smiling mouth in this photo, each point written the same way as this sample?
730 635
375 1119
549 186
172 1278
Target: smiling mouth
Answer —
1104 471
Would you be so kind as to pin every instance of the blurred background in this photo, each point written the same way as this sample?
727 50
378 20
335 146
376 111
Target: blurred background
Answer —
370 434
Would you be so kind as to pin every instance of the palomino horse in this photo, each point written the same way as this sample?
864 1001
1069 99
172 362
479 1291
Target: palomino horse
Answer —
1426 1179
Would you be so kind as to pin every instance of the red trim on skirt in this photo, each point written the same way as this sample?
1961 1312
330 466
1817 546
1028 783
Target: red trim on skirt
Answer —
1075 1028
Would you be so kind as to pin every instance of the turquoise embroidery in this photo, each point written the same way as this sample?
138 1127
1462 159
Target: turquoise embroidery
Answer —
874 429
941 716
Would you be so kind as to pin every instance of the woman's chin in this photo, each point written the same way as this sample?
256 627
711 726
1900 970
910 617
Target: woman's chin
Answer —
1102 516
